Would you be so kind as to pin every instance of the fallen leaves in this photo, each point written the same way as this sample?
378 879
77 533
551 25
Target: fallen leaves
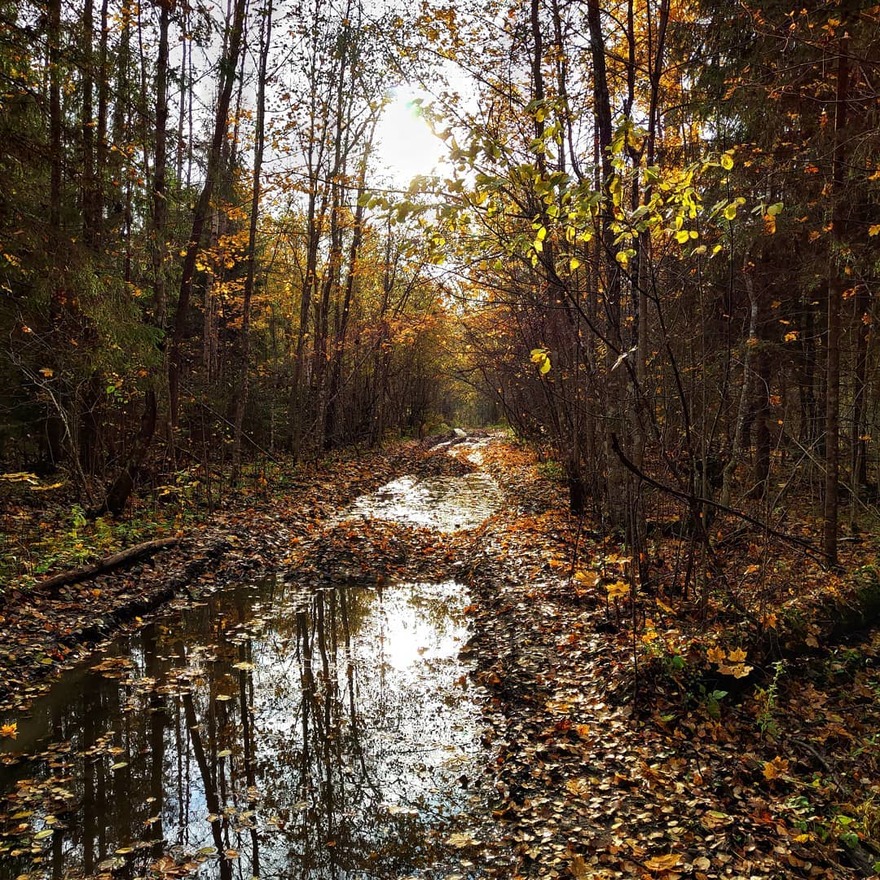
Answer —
775 769
462 840
737 667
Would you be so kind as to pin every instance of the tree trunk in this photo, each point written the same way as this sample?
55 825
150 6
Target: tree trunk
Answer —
836 285
259 148
859 442
89 179
160 196
228 67
101 126
56 157
123 485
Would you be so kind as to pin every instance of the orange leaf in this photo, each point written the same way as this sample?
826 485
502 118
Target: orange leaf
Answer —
775 768
715 655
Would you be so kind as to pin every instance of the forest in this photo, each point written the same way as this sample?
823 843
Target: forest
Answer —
647 252
652 248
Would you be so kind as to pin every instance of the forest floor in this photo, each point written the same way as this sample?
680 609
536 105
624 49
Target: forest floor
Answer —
631 732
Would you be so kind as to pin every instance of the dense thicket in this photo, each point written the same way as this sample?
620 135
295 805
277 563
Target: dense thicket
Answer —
187 276
676 212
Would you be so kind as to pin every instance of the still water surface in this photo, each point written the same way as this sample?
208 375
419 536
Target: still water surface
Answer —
273 730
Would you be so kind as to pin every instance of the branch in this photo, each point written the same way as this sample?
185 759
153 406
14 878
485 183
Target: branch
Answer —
696 499
109 563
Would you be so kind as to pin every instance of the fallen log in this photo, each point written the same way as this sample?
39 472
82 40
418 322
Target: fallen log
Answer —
108 563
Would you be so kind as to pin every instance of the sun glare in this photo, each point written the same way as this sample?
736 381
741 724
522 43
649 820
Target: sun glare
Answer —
406 146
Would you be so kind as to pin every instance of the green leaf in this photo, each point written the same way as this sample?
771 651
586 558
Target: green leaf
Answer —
773 210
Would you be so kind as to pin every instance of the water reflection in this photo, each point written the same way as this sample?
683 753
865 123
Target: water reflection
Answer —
273 731
443 503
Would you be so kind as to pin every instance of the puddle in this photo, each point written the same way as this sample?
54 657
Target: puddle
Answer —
443 503
271 731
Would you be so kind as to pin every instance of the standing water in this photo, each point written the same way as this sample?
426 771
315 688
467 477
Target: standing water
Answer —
273 730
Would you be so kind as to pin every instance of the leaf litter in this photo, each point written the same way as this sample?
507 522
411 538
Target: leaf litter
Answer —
714 776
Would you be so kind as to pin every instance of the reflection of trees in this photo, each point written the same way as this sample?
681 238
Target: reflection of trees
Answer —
267 724
339 822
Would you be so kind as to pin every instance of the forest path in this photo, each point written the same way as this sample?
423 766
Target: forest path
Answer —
316 717
567 769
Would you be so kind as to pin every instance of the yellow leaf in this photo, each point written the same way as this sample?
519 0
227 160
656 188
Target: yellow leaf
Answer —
579 868
541 359
738 656
769 224
461 840
662 863
682 236
579 786
9 730
874 230
573 264
617 590
727 161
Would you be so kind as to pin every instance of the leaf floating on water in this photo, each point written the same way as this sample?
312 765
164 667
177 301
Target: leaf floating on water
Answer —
42 835
222 697
244 665
225 753
119 765
462 839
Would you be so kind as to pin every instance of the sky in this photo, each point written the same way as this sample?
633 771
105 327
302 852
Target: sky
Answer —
406 147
